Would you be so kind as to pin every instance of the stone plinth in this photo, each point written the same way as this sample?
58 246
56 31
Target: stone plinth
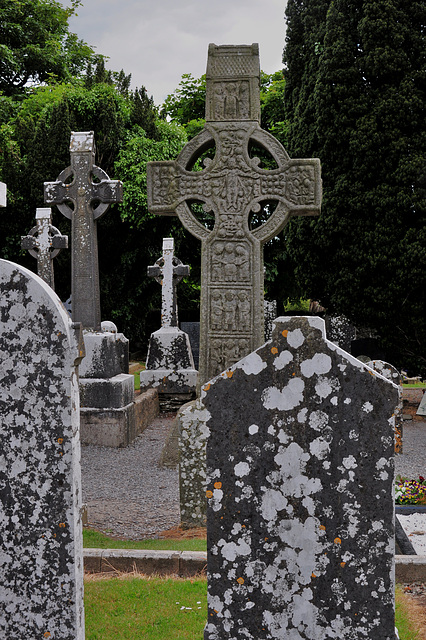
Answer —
300 495
41 566
107 390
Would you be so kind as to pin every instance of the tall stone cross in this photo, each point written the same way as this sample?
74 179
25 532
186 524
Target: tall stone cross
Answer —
90 192
44 242
168 271
233 186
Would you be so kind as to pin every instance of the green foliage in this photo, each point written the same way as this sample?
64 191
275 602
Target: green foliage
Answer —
187 104
355 96
36 45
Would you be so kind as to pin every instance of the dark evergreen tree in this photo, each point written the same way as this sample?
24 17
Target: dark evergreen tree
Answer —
365 256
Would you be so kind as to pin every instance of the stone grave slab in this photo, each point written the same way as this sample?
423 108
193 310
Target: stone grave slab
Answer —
300 495
3 194
390 372
44 242
41 568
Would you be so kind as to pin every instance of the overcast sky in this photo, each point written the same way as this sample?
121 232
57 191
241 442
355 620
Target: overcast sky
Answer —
159 40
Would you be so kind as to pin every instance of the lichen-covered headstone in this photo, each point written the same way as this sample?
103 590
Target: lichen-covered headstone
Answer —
44 242
390 372
3 194
41 559
300 507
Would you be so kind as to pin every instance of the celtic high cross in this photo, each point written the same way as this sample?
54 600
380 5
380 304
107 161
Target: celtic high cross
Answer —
233 186
168 271
89 192
44 242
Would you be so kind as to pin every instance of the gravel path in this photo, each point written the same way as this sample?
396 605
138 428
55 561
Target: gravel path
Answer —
130 496
127 493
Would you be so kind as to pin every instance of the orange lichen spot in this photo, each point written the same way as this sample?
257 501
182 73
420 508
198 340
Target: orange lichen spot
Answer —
60 440
293 374
240 580
209 494
274 350
342 564
322 528
47 634
266 538
337 541
218 485
229 374
313 575
285 333
62 525
215 610
243 526
206 387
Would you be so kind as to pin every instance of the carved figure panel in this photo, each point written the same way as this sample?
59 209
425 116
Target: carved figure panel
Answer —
230 262
225 353
230 310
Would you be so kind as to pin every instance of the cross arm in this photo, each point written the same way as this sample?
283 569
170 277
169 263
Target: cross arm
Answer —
181 270
28 242
154 272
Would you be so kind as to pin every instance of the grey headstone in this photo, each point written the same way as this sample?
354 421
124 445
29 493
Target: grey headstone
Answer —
3 195
83 192
421 411
390 372
193 331
232 185
300 496
270 315
41 555
341 331
44 242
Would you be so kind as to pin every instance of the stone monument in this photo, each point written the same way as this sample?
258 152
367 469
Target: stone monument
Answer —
44 242
300 496
83 193
232 186
41 548
3 195
390 372
170 365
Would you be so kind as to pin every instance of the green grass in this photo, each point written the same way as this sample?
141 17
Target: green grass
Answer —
416 385
94 540
146 609
404 618
163 608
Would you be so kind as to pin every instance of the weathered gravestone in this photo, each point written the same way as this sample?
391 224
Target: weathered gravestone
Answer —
300 495
421 411
169 365
233 186
44 242
41 555
83 193
270 315
390 372
3 195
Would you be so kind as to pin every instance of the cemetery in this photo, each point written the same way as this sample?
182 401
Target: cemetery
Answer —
256 465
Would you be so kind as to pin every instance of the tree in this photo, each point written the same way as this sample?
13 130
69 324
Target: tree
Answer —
36 45
366 120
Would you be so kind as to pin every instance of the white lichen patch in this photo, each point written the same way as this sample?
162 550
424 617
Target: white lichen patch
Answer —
295 338
284 399
252 364
283 360
320 363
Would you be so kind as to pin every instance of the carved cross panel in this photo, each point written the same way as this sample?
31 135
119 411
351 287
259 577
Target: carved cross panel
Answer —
168 271
233 187
44 242
89 191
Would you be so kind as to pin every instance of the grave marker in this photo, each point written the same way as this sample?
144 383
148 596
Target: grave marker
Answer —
44 242
41 568
168 271
300 496
391 373
90 192
3 195
232 186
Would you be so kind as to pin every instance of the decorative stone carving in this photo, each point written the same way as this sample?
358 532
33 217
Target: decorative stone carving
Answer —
43 243
232 185
89 191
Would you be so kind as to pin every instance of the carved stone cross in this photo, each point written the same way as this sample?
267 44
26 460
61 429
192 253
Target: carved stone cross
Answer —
89 192
233 186
168 271
44 242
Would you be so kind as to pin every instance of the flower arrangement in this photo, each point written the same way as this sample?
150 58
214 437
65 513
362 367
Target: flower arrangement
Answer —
410 491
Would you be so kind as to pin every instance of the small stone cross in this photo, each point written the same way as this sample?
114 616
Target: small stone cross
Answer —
44 242
168 271
90 193
233 186
3 197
